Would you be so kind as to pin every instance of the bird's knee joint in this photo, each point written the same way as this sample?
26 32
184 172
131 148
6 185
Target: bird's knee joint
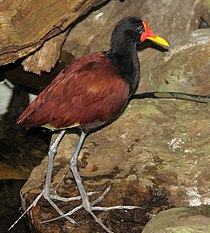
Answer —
53 150
73 164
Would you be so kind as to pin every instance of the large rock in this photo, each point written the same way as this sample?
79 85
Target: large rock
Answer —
155 143
186 68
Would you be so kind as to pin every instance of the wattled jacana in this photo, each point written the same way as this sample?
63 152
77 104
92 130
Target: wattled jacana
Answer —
89 93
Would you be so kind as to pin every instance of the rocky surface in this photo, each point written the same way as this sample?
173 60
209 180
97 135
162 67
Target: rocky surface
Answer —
186 67
157 153
155 143
178 220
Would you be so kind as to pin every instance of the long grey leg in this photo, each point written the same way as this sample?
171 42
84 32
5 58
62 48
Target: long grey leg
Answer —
46 191
89 207
51 154
85 200
73 166
84 196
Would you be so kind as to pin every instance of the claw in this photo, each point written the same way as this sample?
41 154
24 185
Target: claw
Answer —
97 208
32 205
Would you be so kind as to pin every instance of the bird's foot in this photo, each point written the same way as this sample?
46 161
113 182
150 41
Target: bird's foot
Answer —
49 198
90 207
53 193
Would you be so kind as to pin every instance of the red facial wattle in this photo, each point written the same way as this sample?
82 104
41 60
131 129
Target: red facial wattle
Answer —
149 35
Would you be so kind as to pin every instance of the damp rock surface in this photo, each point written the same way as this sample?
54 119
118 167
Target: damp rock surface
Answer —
196 219
186 67
160 144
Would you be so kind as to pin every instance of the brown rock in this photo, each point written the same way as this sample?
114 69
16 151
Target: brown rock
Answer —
186 67
155 143
178 220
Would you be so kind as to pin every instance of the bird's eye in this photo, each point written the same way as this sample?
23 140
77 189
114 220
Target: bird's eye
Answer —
140 29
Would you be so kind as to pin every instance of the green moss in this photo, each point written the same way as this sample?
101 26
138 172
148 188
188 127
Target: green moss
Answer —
207 4
206 148
181 220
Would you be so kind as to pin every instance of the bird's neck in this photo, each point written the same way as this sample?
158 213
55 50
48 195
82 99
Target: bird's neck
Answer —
125 59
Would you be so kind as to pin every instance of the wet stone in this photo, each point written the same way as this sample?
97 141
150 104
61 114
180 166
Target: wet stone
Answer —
163 145
194 219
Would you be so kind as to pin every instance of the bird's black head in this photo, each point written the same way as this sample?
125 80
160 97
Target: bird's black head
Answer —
128 29
133 30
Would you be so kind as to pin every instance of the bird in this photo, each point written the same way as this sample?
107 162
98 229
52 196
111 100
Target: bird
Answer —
88 94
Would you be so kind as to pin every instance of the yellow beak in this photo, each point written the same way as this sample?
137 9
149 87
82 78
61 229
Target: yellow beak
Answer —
159 40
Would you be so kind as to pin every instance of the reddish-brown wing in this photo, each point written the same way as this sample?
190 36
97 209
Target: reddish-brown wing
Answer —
89 91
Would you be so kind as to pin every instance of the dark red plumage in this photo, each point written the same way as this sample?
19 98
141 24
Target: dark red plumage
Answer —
89 92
